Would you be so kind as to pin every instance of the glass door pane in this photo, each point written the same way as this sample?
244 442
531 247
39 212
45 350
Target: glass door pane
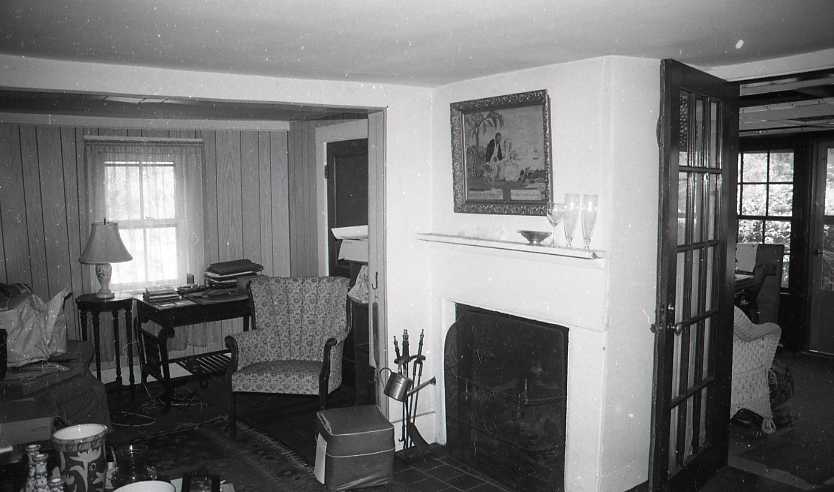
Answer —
821 332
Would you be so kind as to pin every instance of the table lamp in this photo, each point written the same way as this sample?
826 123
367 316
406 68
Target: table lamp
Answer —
104 247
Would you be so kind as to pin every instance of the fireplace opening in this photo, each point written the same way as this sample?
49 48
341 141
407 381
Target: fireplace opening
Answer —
506 396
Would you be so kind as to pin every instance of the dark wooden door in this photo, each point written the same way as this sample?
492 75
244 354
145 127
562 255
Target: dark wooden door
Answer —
821 331
347 193
697 133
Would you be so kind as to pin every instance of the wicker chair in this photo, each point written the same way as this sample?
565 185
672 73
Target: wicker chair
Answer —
754 346
296 346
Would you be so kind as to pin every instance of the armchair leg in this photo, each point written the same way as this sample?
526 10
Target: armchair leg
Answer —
232 414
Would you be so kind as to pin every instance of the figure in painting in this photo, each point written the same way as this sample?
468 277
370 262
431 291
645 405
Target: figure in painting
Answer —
494 151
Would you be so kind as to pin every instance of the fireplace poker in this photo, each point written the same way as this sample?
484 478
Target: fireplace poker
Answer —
406 408
414 377
398 361
405 352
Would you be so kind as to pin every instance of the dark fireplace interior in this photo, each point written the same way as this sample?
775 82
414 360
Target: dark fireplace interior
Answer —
506 395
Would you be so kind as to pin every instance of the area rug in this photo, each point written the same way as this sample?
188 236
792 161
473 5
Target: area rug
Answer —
253 462
803 449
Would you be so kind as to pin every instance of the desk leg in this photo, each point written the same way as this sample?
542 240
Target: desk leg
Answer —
164 334
117 347
97 344
129 333
143 349
82 317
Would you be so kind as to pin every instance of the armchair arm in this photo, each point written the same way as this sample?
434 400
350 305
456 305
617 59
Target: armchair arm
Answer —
324 375
251 346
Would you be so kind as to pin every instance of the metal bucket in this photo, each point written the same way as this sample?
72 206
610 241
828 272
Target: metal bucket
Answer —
81 452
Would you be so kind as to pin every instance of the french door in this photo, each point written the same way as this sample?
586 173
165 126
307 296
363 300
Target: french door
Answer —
821 333
697 134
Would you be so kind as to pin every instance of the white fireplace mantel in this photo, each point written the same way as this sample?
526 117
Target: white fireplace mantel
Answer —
497 244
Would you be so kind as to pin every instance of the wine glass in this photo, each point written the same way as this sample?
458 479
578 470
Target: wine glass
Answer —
555 213
573 204
588 216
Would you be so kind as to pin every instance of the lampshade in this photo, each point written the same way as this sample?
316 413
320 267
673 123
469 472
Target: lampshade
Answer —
105 245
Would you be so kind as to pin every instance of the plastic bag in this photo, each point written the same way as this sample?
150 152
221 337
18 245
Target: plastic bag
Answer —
359 291
38 331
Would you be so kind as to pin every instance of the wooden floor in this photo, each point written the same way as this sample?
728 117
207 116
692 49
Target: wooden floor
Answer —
290 420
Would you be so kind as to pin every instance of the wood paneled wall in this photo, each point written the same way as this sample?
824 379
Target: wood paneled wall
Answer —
43 224
303 202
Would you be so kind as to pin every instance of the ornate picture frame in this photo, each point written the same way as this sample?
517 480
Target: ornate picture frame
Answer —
501 154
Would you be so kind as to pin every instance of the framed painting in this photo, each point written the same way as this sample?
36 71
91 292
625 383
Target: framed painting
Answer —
501 155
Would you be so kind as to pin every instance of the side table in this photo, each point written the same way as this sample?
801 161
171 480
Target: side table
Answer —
91 304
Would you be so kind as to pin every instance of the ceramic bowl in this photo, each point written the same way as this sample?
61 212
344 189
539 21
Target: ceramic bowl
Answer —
147 486
535 237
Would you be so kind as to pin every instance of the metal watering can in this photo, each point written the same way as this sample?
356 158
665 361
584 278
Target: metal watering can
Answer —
398 386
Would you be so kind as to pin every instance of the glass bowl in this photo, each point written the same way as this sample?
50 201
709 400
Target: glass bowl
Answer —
535 237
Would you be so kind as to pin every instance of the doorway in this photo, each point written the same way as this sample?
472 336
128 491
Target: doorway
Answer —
346 173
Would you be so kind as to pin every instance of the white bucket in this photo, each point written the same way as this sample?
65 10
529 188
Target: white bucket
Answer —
81 452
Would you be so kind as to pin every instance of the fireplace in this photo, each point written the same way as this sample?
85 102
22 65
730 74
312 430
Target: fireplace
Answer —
506 394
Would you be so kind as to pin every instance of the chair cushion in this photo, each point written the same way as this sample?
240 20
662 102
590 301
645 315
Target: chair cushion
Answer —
300 313
299 377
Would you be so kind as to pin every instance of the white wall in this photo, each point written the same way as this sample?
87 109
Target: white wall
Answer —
604 112
632 167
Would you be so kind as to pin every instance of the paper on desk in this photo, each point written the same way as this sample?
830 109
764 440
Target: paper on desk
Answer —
351 232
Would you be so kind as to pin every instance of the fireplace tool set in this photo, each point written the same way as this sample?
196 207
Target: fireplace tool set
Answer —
399 387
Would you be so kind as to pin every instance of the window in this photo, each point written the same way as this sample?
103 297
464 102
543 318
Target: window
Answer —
765 200
140 196
153 190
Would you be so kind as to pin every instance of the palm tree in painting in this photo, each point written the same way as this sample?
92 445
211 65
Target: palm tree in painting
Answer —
482 122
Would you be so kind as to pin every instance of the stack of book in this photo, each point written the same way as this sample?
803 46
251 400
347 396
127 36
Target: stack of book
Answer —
161 295
231 274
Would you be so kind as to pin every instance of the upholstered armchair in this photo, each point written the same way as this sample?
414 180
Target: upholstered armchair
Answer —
754 346
296 346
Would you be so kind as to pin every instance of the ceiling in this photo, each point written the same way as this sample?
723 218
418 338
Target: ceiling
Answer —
430 42
787 104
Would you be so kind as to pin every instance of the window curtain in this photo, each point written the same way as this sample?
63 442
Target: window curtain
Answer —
188 171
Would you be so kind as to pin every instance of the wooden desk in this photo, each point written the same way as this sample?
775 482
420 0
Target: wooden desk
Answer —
153 353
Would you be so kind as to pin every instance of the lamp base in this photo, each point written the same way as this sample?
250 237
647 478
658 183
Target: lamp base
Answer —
103 273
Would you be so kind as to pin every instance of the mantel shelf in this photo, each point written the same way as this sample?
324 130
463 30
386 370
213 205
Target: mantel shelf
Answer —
510 245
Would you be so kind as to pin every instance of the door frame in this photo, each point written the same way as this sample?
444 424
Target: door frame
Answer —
375 131
377 265
815 227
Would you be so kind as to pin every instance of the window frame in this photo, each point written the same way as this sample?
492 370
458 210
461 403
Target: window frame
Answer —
186 157
792 248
